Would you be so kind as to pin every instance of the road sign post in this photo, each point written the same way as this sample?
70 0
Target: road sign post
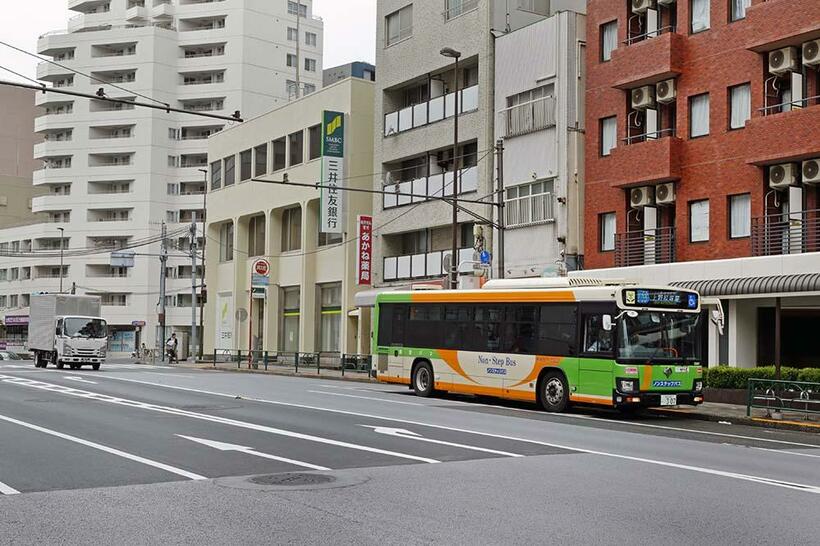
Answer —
260 278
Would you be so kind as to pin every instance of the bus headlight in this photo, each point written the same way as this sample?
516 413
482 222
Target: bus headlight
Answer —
627 385
698 385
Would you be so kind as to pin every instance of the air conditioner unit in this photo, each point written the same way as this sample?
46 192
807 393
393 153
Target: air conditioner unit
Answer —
811 53
640 6
783 60
666 2
665 91
811 171
665 194
642 197
643 97
782 176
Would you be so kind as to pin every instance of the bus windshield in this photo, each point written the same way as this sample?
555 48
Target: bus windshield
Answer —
659 337
86 328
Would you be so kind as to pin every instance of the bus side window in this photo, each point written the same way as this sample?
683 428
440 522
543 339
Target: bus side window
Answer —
557 329
596 338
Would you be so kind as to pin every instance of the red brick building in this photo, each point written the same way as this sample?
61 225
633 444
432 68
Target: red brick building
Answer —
715 55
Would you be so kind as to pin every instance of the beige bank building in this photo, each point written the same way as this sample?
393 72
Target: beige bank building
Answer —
308 237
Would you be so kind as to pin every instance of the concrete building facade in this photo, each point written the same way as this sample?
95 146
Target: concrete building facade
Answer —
356 69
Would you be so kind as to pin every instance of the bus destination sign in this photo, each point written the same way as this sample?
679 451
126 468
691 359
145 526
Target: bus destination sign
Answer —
660 299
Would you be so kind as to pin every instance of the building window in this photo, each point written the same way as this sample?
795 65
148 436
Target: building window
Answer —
330 326
740 216
216 175
296 7
399 25
291 229
260 157
293 35
226 242
172 216
291 60
290 319
230 176
699 115
310 65
528 204
311 38
314 142
609 39
296 148
172 189
699 221
279 154
326 239
309 88
256 236
740 105
291 88
608 226
699 15
737 9
245 165
454 8
609 135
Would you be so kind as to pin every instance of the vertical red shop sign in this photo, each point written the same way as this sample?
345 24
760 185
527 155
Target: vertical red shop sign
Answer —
364 257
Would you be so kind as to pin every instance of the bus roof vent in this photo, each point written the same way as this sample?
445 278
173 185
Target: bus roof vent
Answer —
547 283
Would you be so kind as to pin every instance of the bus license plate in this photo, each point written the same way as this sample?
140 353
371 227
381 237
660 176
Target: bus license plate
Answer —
669 400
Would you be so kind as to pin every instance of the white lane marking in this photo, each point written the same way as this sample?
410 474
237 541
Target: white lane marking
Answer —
359 414
111 450
79 379
167 374
784 452
409 435
61 389
8 490
221 446
367 398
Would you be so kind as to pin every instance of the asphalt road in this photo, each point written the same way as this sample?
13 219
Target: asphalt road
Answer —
136 454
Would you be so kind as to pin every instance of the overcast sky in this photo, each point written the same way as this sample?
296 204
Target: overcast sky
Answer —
350 29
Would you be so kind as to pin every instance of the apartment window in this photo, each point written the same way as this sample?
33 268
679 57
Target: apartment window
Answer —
173 189
291 60
310 65
326 239
260 160
245 165
295 7
314 141
172 216
13 301
293 34
295 146
699 115
3 301
330 326
737 9
740 216
291 229
279 154
226 242
699 15
311 38
256 236
4 274
309 88
607 225
609 39
173 161
740 105
230 177
291 303
609 135
699 221
216 175
399 25
292 88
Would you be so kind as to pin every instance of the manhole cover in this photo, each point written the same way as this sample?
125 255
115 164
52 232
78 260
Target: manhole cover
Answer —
295 479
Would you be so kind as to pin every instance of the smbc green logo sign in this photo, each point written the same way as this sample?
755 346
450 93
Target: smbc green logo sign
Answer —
333 144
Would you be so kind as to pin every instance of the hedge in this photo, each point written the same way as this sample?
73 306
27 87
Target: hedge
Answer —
725 377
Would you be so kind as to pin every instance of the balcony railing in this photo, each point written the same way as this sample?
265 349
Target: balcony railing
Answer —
528 117
778 234
771 109
425 113
646 35
653 135
529 210
424 265
459 7
652 246
424 188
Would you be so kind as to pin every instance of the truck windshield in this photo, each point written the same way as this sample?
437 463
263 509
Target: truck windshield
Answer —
659 337
87 328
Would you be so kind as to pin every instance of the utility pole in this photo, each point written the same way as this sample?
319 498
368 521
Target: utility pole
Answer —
62 243
453 54
298 46
163 259
202 289
499 149
194 340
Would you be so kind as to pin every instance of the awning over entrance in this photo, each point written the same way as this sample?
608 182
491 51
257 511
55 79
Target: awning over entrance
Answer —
777 284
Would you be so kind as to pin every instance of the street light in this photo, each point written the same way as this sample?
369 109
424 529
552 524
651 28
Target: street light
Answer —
202 285
453 54
62 238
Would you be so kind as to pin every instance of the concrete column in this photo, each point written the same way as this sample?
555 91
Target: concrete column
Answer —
273 241
307 319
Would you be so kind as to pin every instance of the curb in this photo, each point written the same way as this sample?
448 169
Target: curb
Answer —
283 373
750 421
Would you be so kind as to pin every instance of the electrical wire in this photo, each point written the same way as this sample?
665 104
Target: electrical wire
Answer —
22 76
90 251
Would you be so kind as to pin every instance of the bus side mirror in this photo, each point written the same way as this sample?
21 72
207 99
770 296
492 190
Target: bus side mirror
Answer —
606 321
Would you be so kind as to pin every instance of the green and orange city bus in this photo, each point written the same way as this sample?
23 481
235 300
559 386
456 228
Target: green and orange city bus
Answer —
552 341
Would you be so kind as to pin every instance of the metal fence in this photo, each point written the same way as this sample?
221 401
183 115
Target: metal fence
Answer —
795 396
305 362
655 246
793 233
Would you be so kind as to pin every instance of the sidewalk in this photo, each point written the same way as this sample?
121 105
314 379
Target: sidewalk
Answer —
304 371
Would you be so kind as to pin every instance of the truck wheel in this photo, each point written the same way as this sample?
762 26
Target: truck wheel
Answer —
60 364
95 366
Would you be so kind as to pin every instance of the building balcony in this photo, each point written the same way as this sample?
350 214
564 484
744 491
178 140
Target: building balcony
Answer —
646 247
648 61
649 161
51 147
779 234
528 117
47 71
424 265
432 111
779 136
425 188
49 203
164 10
85 21
779 23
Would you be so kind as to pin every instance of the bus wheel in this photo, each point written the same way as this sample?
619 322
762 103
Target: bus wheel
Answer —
59 364
423 379
554 392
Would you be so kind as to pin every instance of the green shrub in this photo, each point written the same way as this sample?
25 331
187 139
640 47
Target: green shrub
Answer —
725 377
809 374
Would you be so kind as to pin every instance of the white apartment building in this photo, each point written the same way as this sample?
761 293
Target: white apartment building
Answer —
116 173
539 100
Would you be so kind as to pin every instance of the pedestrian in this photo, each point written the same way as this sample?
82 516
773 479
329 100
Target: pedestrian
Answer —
171 347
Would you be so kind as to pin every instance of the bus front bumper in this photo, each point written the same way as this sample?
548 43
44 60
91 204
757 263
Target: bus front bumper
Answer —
657 399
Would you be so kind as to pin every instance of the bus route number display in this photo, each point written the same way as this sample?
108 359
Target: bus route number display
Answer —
665 299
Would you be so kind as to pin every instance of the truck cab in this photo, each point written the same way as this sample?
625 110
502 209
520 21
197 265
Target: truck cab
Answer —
80 340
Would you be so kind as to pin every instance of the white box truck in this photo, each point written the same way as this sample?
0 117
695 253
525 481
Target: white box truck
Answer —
67 329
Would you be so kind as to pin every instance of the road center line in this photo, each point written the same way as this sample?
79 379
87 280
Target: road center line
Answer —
111 450
7 489
367 398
